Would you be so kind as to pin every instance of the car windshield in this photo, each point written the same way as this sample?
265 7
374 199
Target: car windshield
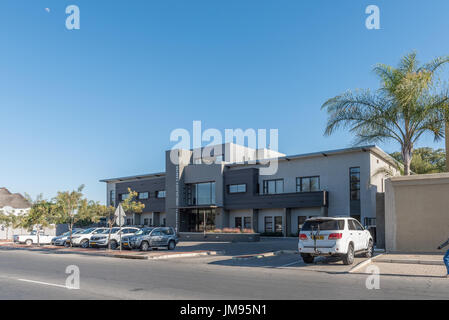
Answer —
88 231
143 232
324 225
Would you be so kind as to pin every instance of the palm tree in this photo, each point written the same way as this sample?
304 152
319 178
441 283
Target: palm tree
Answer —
403 108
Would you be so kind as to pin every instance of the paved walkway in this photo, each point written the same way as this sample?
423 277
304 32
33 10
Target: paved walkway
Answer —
407 265
426 259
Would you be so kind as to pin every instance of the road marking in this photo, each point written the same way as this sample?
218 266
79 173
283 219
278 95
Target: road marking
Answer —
44 283
290 264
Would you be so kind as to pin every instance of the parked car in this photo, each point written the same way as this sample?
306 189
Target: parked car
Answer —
31 238
82 239
334 236
129 242
155 238
62 239
101 239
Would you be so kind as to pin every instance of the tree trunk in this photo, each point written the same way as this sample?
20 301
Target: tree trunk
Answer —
70 229
109 236
446 137
407 157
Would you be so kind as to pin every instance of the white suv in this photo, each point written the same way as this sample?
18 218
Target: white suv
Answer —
82 239
334 236
101 239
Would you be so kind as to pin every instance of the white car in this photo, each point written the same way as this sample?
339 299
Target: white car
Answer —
334 236
31 238
82 239
101 239
62 240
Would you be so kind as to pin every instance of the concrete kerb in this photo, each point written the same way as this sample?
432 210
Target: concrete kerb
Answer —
411 261
168 256
264 255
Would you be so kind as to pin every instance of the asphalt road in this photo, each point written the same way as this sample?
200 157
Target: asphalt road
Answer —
40 275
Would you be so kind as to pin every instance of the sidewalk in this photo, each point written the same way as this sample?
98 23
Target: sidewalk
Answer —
408 265
425 259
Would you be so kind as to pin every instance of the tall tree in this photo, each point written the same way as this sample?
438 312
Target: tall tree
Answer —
106 212
425 160
403 109
130 205
40 216
71 207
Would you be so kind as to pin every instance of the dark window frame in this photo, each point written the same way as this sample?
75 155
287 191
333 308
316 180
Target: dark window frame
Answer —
266 223
236 185
159 192
265 186
141 193
353 173
299 183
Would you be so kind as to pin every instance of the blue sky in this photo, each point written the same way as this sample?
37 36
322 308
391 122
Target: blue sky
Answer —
99 102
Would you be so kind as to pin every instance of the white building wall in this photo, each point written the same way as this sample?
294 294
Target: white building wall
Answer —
240 213
305 212
269 212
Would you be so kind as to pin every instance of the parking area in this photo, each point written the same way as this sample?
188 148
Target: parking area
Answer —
275 253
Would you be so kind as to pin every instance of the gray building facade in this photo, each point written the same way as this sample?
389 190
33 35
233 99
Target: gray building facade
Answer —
228 189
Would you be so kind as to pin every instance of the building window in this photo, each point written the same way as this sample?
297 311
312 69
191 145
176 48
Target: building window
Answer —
238 222
146 222
164 222
237 188
124 196
201 193
247 222
354 183
160 194
129 221
308 184
143 195
278 224
112 198
268 224
273 186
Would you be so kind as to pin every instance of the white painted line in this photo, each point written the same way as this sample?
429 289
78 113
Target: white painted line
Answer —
364 263
44 283
290 264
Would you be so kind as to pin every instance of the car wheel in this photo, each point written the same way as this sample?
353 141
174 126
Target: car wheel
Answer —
29 242
144 246
308 258
85 243
171 245
369 250
114 244
348 258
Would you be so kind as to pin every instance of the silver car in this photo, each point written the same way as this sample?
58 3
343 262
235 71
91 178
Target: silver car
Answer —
62 239
152 238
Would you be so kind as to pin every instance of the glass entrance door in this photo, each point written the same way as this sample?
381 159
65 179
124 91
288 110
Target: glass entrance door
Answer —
192 220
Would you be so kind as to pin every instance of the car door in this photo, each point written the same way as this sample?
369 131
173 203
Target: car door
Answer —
156 238
363 236
165 237
353 234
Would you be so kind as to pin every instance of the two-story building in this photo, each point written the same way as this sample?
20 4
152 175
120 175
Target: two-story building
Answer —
229 189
